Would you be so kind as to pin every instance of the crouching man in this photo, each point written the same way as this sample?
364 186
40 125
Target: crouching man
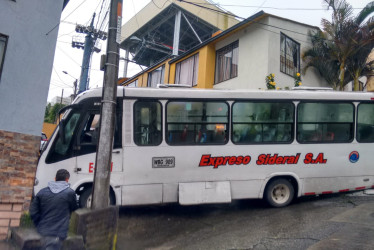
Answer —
51 208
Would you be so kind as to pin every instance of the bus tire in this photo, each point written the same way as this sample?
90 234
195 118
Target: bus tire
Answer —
85 199
279 192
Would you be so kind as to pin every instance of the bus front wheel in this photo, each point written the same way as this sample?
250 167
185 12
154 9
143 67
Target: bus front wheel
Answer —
85 199
279 193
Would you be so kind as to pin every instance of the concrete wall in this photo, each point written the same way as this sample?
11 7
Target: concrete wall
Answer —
259 55
24 88
28 62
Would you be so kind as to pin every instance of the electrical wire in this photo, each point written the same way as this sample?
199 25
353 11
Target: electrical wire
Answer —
264 24
66 54
98 19
266 7
136 18
218 11
160 8
65 18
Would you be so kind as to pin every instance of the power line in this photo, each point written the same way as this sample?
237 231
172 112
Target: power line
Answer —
269 25
65 18
66 54
266 7
101 9
218 11
162 4
136 18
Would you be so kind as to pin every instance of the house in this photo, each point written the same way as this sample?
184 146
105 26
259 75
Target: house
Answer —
239 58
28 36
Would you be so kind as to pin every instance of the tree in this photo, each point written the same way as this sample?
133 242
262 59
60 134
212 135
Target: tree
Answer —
363 43
344 44
51 112
318 57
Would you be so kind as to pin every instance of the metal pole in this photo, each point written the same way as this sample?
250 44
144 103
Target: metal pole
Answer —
62 95
108 109
126 63
75 88
88 49
177 28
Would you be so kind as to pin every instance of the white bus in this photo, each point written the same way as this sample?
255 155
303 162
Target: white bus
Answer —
213 146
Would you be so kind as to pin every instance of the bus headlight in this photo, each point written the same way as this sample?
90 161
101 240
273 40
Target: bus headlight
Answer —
36 182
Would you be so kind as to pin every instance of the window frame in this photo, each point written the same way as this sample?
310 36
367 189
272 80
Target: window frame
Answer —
353 123
177 77
264 101
2 59
134 116
356 129
195 143
231 47
285 55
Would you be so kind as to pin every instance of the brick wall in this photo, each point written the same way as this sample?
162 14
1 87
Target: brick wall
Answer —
18 160
10 214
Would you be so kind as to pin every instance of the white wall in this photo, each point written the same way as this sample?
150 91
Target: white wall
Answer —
259 55
28 62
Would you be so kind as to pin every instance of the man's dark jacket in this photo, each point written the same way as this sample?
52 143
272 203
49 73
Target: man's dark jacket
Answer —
51 208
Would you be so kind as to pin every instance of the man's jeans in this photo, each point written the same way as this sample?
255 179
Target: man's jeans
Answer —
51 243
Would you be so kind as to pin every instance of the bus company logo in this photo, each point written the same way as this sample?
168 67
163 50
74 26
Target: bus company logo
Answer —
207 160
354 156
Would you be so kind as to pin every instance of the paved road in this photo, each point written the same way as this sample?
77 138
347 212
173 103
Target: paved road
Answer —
327 222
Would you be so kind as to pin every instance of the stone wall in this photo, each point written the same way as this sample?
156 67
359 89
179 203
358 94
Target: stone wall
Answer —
18 161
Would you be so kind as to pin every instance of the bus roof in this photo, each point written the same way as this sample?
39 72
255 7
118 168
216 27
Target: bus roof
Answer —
194 93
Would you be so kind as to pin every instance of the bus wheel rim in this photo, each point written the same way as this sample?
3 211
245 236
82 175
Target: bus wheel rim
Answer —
89 201
280 193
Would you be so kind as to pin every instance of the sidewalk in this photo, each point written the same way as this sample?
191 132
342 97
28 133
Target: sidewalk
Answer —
357 233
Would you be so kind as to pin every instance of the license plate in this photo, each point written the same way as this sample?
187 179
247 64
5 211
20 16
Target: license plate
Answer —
163 162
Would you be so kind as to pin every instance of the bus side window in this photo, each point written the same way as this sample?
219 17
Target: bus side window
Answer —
147 123
262 122
197 122
90 132
365 122
329 122
88 135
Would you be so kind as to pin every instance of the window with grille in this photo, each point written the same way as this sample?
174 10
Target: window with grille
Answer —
3 43
289 55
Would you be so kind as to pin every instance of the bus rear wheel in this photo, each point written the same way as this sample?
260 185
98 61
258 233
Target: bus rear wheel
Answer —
279 193
85 199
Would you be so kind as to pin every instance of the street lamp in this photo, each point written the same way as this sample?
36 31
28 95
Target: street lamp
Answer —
75 83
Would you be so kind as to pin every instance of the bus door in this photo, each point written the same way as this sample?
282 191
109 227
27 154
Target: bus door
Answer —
87 141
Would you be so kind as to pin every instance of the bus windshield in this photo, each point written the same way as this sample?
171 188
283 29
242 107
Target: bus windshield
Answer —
62 146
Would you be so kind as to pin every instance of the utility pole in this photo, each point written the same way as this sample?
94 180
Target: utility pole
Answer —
89 47
62 96
108 110
75 83
75 88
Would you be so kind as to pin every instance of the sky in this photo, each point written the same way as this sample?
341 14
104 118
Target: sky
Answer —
69 59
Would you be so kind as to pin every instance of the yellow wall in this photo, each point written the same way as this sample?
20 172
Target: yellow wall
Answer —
207 59
48 129
205 74
206 69
143 78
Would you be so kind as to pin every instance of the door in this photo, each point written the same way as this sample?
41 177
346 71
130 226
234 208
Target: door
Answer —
87 140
